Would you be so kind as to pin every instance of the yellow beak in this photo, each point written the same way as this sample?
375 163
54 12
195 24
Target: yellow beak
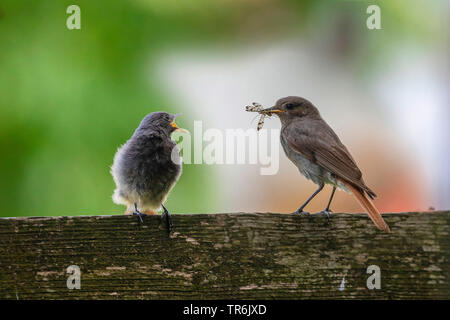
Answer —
271 110
174 125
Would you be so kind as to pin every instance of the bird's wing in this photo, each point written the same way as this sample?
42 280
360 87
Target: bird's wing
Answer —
318 143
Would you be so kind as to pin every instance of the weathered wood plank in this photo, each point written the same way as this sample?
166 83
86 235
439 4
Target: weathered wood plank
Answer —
225 256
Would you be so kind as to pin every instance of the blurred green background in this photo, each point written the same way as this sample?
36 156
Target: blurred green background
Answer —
70 98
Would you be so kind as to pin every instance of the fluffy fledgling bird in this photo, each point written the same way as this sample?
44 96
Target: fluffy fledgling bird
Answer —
147 166
311 144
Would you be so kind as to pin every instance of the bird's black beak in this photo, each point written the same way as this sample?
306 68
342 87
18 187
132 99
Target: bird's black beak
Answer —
270 111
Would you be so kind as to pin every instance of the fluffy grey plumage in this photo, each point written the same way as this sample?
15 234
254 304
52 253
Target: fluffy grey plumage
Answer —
147 166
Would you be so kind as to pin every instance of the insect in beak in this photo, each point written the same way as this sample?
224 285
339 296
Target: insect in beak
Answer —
256 107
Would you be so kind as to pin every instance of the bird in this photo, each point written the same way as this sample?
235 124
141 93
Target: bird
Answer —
312 145
147 167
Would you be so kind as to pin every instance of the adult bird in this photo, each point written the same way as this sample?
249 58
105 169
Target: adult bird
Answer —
311 144
147 166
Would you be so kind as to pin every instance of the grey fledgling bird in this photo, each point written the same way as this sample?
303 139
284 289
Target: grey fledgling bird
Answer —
147 166
320 156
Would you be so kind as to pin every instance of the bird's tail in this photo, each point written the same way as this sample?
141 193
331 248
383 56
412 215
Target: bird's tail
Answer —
367 204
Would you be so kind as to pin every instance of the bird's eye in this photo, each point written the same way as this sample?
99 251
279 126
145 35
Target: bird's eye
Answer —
289 106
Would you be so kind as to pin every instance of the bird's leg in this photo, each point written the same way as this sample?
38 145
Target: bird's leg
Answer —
327 209
138 213
167 217
300 210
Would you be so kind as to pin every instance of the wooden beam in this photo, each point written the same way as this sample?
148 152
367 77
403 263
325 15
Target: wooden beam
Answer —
226 256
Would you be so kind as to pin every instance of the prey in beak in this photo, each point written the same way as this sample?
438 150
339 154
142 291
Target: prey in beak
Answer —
256 107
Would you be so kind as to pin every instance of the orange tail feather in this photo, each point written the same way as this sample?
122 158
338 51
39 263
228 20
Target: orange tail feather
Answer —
373 212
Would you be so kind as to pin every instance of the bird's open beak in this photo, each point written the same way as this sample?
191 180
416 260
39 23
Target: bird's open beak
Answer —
271 110
174 125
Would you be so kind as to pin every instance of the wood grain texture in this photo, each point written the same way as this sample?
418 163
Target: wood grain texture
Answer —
225 256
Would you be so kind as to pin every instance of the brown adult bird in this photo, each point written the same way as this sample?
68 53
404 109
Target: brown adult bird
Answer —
311 144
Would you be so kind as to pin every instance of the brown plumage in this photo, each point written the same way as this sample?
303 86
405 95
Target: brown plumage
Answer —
367 204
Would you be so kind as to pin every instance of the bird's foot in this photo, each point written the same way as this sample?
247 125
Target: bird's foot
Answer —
302 213
325 213
138 213
167 218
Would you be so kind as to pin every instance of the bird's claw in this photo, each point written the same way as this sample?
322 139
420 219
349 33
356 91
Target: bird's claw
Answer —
302 213
325 213
167 218
140 215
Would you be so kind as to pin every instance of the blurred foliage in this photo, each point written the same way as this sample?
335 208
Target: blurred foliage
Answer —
70 98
